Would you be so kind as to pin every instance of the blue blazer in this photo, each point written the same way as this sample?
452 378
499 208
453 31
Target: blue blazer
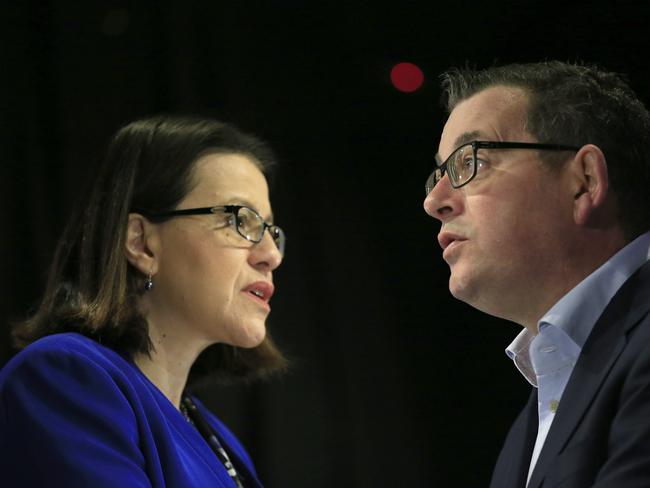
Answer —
600 436
74 413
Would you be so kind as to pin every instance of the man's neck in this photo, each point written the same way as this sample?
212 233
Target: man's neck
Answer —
578 267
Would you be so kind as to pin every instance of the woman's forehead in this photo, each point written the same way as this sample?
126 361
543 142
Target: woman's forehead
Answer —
229 178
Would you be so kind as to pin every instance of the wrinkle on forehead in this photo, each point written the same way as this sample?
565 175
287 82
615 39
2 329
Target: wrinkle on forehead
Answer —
496 113
513 103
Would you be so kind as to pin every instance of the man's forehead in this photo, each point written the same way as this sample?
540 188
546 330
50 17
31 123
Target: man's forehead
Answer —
495 113
502 104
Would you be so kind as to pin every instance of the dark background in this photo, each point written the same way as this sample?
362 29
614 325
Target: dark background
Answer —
393 382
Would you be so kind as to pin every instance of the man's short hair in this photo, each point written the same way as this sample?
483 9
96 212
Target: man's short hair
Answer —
578 104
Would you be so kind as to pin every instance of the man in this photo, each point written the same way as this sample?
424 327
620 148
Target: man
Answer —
541 185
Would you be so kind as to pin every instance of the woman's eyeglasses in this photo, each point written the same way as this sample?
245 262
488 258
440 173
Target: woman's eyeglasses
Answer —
246 221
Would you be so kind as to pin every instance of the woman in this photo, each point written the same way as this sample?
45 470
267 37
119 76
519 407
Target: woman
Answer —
169 257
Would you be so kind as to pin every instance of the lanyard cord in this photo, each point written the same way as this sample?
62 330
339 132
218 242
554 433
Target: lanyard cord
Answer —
194 416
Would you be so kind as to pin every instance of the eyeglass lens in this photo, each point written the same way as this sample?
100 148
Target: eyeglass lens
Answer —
252 226
432 180
249 224
462 165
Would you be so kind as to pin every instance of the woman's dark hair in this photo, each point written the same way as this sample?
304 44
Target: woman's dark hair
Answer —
92 289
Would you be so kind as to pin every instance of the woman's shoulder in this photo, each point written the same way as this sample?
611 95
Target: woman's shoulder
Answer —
57 371
68 406
68 350
65 340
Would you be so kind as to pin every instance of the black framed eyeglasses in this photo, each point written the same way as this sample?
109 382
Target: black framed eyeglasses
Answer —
246 221
462 164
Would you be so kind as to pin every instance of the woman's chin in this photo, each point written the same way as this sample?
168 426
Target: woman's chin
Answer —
251 338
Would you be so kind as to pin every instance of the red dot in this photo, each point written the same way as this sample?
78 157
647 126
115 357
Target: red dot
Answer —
406 77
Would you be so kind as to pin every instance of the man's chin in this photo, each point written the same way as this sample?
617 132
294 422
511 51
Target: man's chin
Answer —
458 287
465 290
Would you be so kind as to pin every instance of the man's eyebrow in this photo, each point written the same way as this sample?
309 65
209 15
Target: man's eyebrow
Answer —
464 138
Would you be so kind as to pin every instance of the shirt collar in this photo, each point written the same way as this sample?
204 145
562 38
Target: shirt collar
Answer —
576 312
518 351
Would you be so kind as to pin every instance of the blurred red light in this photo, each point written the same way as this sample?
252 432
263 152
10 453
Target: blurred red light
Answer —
406 77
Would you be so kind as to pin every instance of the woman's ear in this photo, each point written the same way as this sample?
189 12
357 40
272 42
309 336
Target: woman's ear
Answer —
141 246
590 183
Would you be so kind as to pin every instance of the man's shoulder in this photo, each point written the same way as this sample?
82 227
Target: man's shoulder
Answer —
632 300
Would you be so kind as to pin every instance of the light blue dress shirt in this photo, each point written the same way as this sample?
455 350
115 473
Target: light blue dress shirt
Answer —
547 359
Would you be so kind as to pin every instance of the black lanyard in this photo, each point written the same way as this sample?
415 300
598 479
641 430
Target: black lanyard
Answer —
192 414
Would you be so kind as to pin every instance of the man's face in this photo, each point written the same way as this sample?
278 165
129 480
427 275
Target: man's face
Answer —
505 233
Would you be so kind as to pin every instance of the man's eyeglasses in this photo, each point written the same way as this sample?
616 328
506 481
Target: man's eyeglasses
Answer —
462 164
246 221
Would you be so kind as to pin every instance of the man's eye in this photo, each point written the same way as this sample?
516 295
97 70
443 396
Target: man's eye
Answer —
481 164
465 166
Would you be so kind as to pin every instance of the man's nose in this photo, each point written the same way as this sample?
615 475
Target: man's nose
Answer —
441 202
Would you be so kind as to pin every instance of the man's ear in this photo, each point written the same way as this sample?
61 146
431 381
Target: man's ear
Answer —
589 182
141 246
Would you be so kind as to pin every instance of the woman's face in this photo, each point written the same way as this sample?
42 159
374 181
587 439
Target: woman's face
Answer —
208 277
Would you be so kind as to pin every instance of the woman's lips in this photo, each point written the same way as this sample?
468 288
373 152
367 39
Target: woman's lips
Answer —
261 292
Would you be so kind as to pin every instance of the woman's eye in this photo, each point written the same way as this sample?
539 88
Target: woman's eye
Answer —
242 221
480 164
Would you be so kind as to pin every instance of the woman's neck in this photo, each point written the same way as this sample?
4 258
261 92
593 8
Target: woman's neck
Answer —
168 365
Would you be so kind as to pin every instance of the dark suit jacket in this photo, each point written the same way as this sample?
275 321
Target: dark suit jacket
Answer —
600 436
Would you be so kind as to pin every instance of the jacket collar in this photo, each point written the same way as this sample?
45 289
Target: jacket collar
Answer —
604 345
